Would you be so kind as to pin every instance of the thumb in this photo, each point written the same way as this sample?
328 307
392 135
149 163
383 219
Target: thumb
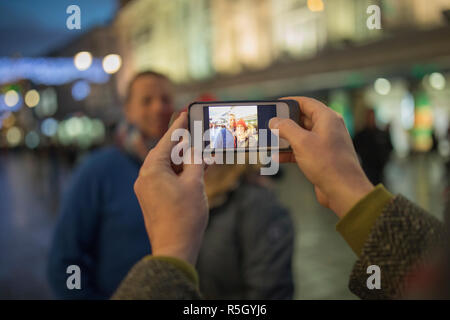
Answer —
289 130
193 165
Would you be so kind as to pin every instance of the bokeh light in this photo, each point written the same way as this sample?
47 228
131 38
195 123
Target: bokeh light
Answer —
315 5
48 104
74 126
14 136
9 120
82 60
81 131
11 98
382 86
32 140
49 71
32 98
437 81
407 111
98 130
80 90
63 136
49 127
112 63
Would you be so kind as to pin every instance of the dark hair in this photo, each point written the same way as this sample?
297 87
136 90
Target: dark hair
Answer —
148 73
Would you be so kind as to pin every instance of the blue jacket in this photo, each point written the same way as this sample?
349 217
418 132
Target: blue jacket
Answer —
100 228
223 139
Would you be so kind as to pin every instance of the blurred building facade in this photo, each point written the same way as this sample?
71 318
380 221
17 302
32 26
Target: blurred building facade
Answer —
250 49
257 49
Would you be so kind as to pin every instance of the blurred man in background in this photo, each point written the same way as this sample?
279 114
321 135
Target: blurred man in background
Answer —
374 147
101 227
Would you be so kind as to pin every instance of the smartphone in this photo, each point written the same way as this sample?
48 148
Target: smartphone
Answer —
239 125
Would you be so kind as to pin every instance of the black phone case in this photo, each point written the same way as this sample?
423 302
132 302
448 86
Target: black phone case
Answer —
294 111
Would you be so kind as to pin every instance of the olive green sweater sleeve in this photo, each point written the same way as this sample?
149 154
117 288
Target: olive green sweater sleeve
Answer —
159 278
357 223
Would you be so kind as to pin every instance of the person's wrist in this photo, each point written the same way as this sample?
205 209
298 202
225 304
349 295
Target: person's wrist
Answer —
182 254
348 193
187 251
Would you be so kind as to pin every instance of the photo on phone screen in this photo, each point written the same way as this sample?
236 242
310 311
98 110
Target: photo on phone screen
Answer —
238 127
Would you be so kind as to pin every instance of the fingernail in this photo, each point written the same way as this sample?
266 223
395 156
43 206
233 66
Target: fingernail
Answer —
273 123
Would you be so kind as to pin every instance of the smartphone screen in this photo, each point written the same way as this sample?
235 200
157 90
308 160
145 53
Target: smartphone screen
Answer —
238 127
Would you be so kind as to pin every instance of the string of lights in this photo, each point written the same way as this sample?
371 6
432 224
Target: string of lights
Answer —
50 71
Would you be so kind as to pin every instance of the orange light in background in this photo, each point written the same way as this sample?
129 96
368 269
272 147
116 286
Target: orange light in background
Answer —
423 125
423 119
9 122
315 5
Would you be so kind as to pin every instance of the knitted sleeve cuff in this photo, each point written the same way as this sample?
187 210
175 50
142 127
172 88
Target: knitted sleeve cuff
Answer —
355 226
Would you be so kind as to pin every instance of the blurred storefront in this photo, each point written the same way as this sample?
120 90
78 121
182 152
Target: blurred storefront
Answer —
256 49
261 49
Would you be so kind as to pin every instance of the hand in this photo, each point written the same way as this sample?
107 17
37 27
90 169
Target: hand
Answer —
324 151
175 207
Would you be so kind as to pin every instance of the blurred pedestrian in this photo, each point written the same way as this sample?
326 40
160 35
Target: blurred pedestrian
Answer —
374 147
100 227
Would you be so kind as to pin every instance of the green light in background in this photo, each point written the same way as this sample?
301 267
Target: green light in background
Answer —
340 102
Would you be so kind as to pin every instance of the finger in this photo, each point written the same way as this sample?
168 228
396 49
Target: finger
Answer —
321 197
174 117
284 157
306 123
289 130
177 156
309 107
193 170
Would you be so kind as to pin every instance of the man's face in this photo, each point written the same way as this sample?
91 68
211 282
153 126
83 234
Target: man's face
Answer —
150 105
232 121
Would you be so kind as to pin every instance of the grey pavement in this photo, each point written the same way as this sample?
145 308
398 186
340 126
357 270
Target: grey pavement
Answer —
30 188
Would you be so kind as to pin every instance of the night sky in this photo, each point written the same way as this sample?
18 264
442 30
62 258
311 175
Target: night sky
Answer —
35 27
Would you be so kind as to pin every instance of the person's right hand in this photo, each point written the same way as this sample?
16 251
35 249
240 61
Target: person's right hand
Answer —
324 151
173 203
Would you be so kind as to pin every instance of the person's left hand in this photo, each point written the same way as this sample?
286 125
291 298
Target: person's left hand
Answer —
174 206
